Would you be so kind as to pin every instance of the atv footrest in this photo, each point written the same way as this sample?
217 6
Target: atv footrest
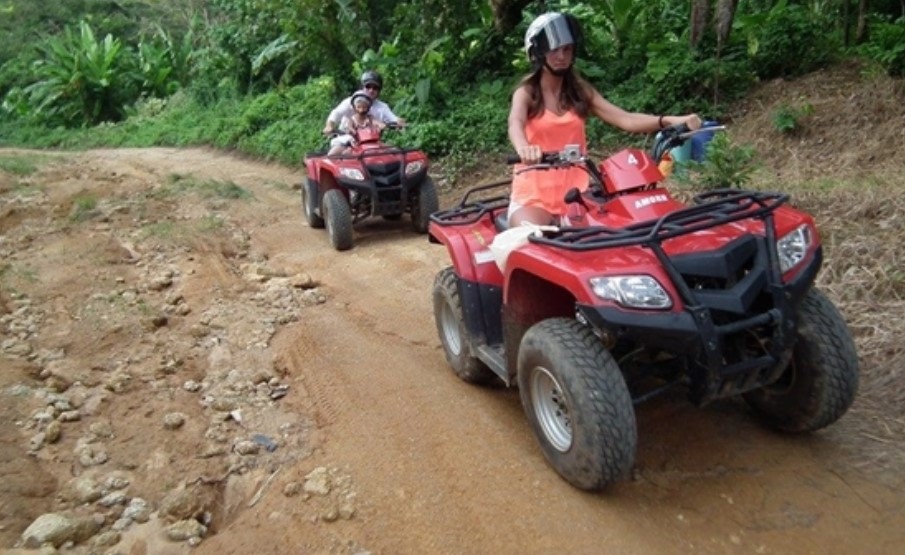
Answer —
495 359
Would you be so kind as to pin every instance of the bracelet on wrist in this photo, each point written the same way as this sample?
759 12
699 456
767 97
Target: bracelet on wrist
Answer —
660 121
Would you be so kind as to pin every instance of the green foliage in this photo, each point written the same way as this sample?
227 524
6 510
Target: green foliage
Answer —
725 165
81 80
284 124
886 46
788 40
473 122
787 119
261 75
164 63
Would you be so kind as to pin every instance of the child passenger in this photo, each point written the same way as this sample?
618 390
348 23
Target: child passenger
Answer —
350 125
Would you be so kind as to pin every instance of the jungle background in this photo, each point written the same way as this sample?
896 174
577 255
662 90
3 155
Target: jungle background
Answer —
259 76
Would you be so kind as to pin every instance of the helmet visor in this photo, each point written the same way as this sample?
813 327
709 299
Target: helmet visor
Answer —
555 34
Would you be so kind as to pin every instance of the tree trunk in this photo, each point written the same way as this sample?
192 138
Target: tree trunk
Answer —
862 31
700 14
725 14
507 14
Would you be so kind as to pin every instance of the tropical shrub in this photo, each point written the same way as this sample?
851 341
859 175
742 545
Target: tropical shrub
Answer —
82 80
886 46
788 40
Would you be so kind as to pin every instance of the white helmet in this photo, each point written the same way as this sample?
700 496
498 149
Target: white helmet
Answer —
550 31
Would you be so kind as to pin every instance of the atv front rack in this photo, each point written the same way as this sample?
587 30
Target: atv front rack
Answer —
379 151
710 210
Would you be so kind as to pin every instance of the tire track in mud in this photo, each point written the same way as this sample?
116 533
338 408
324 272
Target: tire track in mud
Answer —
324 391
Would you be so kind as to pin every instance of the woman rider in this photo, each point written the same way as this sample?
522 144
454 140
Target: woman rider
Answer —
548 111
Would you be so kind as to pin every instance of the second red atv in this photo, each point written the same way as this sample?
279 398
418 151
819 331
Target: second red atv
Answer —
634 294
373 179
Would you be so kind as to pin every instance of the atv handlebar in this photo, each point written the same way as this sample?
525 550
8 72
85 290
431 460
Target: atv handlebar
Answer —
570 154
675 136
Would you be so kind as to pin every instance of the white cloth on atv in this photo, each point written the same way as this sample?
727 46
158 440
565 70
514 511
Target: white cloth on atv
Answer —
342 140
507 241
379 111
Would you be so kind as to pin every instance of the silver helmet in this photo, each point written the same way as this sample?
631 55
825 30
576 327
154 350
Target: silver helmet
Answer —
550 31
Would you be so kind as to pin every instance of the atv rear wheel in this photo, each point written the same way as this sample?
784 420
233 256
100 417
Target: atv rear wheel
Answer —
424 204
309 204
821 380
338 217
451 329
577 403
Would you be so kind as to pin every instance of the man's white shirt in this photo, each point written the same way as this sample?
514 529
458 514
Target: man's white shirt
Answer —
379 111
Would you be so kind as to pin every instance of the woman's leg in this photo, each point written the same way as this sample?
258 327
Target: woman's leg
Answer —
530 214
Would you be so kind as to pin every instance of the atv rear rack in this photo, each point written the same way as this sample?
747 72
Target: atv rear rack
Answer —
470 210
711 209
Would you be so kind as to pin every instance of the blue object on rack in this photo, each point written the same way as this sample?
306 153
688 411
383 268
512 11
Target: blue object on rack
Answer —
699 142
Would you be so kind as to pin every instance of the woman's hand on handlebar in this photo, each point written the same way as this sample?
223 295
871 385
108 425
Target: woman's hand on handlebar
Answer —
693 121
529 154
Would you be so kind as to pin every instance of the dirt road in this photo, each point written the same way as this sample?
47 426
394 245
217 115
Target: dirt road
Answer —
347 383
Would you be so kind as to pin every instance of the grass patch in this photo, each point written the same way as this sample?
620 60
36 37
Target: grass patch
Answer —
159 230
279 186
84 208
22 274
21 165
211 223
181 184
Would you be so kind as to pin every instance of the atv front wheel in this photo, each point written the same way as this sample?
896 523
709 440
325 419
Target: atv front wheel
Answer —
309 204
577 403
821 380
451 329
339 219
424 204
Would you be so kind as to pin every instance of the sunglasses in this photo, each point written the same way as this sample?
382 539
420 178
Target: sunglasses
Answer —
372 87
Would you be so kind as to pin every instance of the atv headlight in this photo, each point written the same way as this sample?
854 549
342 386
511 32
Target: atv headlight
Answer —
631 291
414 167
793 247
352 173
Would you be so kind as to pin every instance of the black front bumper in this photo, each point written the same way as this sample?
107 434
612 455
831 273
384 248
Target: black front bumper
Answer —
714 320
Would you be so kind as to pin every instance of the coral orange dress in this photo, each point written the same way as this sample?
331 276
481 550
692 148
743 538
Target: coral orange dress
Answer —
546 188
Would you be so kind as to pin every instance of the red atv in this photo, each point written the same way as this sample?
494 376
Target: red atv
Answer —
374 179
638 293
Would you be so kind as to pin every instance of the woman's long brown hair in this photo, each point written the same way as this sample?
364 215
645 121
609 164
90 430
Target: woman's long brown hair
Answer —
575 94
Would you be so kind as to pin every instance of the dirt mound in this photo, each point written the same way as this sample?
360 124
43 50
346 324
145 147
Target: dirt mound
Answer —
852 125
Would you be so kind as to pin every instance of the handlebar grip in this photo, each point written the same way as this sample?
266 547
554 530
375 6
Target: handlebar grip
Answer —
513 159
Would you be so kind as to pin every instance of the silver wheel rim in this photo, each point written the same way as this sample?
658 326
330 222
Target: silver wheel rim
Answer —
307 203
450 330
551 409
328 219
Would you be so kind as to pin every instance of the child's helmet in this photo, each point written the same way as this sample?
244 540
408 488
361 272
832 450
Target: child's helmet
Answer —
550 31
361 98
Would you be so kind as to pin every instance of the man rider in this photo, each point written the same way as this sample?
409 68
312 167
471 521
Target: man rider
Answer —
371 83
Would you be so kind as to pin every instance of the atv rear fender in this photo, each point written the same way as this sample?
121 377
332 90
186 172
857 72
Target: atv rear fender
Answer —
468 246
